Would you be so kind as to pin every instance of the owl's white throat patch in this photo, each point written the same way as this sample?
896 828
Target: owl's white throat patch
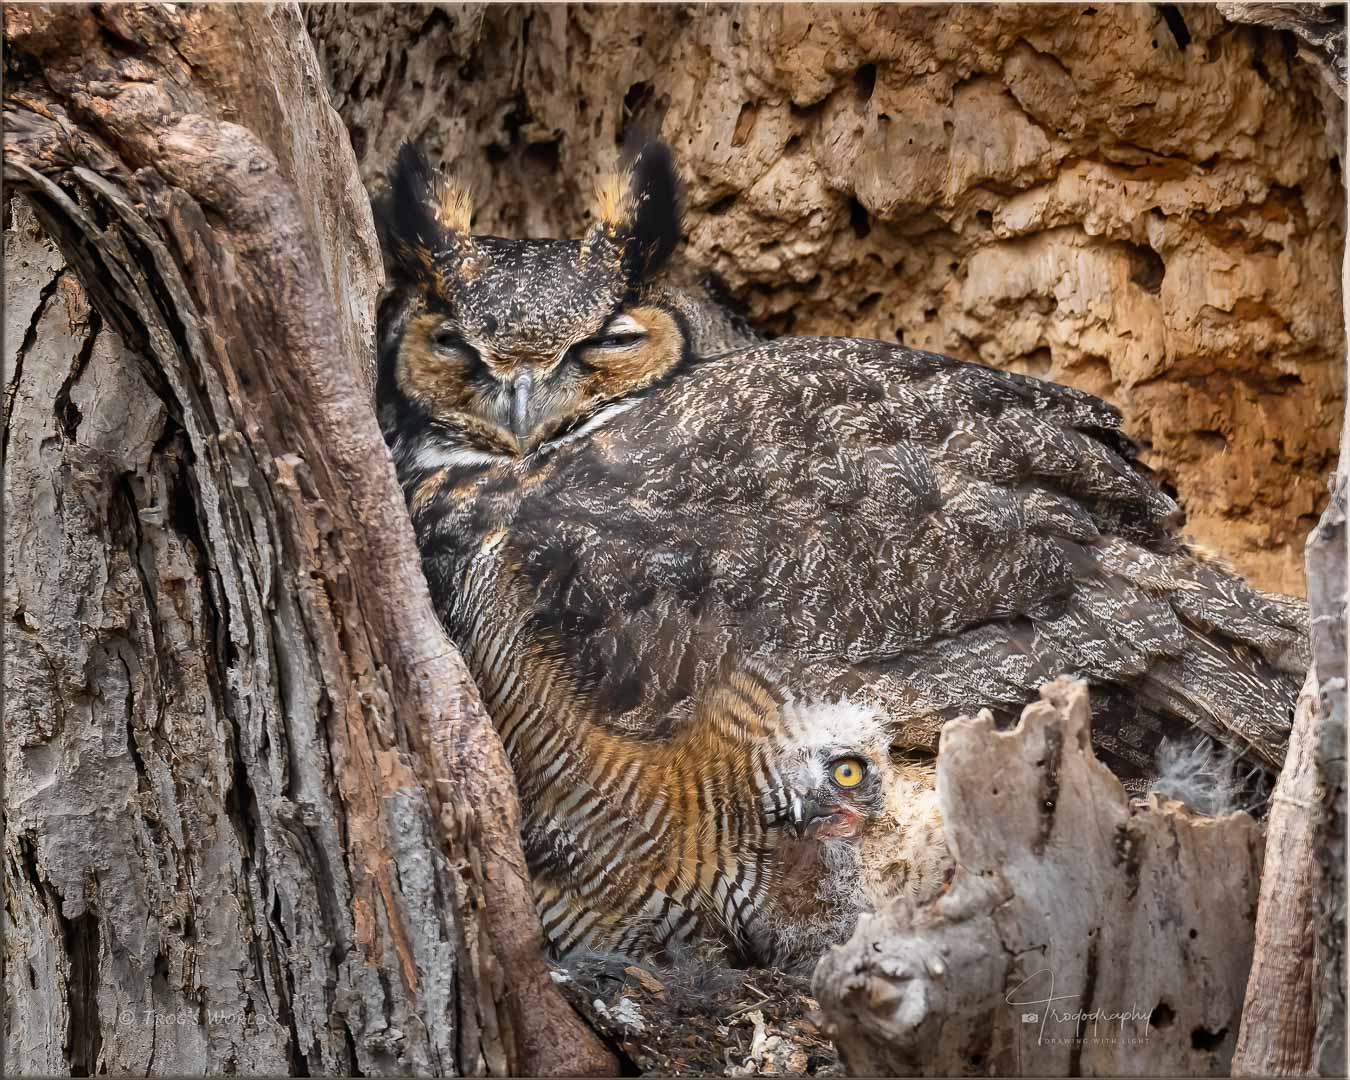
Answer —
602 417
435 455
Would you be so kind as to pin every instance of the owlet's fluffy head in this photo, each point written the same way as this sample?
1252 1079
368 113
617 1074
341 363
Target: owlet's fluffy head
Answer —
863 827
498 345
835 758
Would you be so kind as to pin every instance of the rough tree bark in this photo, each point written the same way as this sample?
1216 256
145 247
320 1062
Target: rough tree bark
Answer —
1142 200
1080 936
256 820
1294 1020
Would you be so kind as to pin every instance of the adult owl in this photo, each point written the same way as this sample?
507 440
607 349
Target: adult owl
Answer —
700 578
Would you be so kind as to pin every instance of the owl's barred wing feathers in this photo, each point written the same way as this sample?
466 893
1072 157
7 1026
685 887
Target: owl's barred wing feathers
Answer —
706 584
935 535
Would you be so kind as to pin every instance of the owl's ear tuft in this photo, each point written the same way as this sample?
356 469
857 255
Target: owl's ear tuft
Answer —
422 215
657 200
640 206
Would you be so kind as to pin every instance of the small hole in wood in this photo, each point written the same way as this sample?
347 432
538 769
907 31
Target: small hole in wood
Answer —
865 80
1204 1039
859 218
639 94
1147 269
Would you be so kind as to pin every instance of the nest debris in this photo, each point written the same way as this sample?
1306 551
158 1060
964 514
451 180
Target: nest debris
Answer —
702 1021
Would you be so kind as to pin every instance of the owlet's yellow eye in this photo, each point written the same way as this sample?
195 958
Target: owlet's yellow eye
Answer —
848 772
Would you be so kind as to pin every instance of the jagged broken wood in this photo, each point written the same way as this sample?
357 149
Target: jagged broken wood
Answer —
258 821
1082 934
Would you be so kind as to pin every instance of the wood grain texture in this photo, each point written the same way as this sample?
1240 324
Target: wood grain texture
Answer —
1082 935
257 820
1293 1022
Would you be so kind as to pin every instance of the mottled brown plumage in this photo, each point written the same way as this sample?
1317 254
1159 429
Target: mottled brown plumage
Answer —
661 544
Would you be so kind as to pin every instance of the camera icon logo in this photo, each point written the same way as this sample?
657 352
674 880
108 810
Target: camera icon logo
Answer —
1031 1018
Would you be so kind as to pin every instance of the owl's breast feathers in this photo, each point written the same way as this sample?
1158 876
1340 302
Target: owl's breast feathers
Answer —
937 535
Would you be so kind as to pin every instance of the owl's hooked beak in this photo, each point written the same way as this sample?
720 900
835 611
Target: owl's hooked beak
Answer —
520 404
803 810
811 817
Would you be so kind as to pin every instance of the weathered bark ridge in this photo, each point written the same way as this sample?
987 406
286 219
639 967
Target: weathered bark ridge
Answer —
266 827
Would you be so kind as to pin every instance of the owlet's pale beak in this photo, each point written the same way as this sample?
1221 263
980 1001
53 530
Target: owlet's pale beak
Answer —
802 811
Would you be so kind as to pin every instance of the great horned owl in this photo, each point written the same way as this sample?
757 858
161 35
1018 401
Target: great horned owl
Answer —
658 542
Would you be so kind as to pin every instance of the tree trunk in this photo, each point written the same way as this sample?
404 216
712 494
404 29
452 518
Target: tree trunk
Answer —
257 820
1294 1020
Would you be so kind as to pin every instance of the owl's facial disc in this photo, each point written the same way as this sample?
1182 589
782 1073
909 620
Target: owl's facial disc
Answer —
835 765
834 792
507 344
507 398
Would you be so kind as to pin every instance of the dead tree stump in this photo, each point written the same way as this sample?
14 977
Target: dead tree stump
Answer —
1081 935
